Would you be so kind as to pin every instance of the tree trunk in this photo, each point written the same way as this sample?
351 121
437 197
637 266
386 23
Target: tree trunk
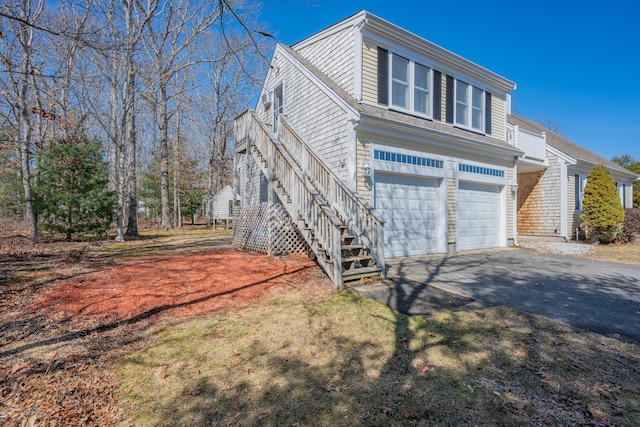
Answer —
25 132
132 181
163 124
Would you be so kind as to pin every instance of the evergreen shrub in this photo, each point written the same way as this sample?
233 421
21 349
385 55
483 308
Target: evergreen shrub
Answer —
603 213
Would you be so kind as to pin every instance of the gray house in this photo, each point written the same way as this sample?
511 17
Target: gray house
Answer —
551 186
377 143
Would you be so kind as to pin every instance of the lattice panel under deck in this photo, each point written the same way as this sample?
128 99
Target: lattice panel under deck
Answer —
267 229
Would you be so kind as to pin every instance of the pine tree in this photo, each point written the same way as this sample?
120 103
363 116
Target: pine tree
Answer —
603 213
71 195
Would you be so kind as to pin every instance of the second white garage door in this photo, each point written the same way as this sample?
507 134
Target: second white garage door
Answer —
478 216
409 206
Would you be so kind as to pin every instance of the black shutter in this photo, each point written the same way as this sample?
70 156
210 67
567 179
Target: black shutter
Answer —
383 83
487 113
577 178
437 95
449 101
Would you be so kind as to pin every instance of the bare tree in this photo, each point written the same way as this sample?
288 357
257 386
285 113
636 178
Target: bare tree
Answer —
21 79
230 86
169 36
554 125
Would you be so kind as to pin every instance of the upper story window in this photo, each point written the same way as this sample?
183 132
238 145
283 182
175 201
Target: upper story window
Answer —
421 92
409 84
278 105
400 82
470 106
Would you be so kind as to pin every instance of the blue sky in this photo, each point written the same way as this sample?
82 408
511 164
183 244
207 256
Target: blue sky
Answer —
575 62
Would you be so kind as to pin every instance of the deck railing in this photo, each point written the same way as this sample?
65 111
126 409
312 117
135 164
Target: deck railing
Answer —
534 145
357 214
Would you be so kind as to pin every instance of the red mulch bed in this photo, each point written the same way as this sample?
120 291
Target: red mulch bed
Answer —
58 339
182 285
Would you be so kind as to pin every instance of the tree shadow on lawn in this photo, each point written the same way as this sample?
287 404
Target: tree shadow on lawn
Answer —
440 369
494 366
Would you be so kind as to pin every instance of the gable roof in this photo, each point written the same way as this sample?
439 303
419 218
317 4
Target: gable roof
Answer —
425 125
227 189
568 147
397 34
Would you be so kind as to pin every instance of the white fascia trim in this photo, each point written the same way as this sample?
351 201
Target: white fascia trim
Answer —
351 21
392 32
352 113
379 126
357 61
419 57
564 194
559 154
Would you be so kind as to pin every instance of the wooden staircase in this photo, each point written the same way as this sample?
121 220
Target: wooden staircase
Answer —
341 228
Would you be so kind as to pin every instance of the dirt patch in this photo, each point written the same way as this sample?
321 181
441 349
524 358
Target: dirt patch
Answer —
67 310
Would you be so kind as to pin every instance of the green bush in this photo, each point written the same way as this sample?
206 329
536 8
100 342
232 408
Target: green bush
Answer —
603 213
71 196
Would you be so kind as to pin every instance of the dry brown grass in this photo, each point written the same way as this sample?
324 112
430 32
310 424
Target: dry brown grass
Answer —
628 253
347 360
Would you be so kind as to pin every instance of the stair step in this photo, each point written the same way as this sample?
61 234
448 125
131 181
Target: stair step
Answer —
352 247
360 273
349 263
347 240
351 250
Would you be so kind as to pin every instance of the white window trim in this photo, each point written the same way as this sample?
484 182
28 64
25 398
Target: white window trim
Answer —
281 107
469 114
411 86
622 188
582 184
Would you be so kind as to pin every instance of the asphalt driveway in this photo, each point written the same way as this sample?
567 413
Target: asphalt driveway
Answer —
602 297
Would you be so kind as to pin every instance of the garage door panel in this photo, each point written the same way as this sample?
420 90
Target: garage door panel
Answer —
410 208
478 216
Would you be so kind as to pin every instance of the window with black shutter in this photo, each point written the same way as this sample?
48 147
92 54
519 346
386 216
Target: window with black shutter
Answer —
437 95
449 99
487 113
383 84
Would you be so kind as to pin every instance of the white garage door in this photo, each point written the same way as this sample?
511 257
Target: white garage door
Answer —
409 206
478 216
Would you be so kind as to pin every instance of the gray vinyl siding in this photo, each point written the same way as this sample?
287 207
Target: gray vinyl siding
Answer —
221 203
313 114
510 205
334 56
252 182
498 117
370 72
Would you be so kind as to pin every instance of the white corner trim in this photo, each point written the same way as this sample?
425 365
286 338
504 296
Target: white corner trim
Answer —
351 112
357 61
351 21
564 194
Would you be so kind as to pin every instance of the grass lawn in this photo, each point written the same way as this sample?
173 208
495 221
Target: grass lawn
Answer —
629 253
347 360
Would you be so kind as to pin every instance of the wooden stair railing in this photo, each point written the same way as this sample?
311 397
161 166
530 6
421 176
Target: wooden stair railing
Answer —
326 233
358 214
